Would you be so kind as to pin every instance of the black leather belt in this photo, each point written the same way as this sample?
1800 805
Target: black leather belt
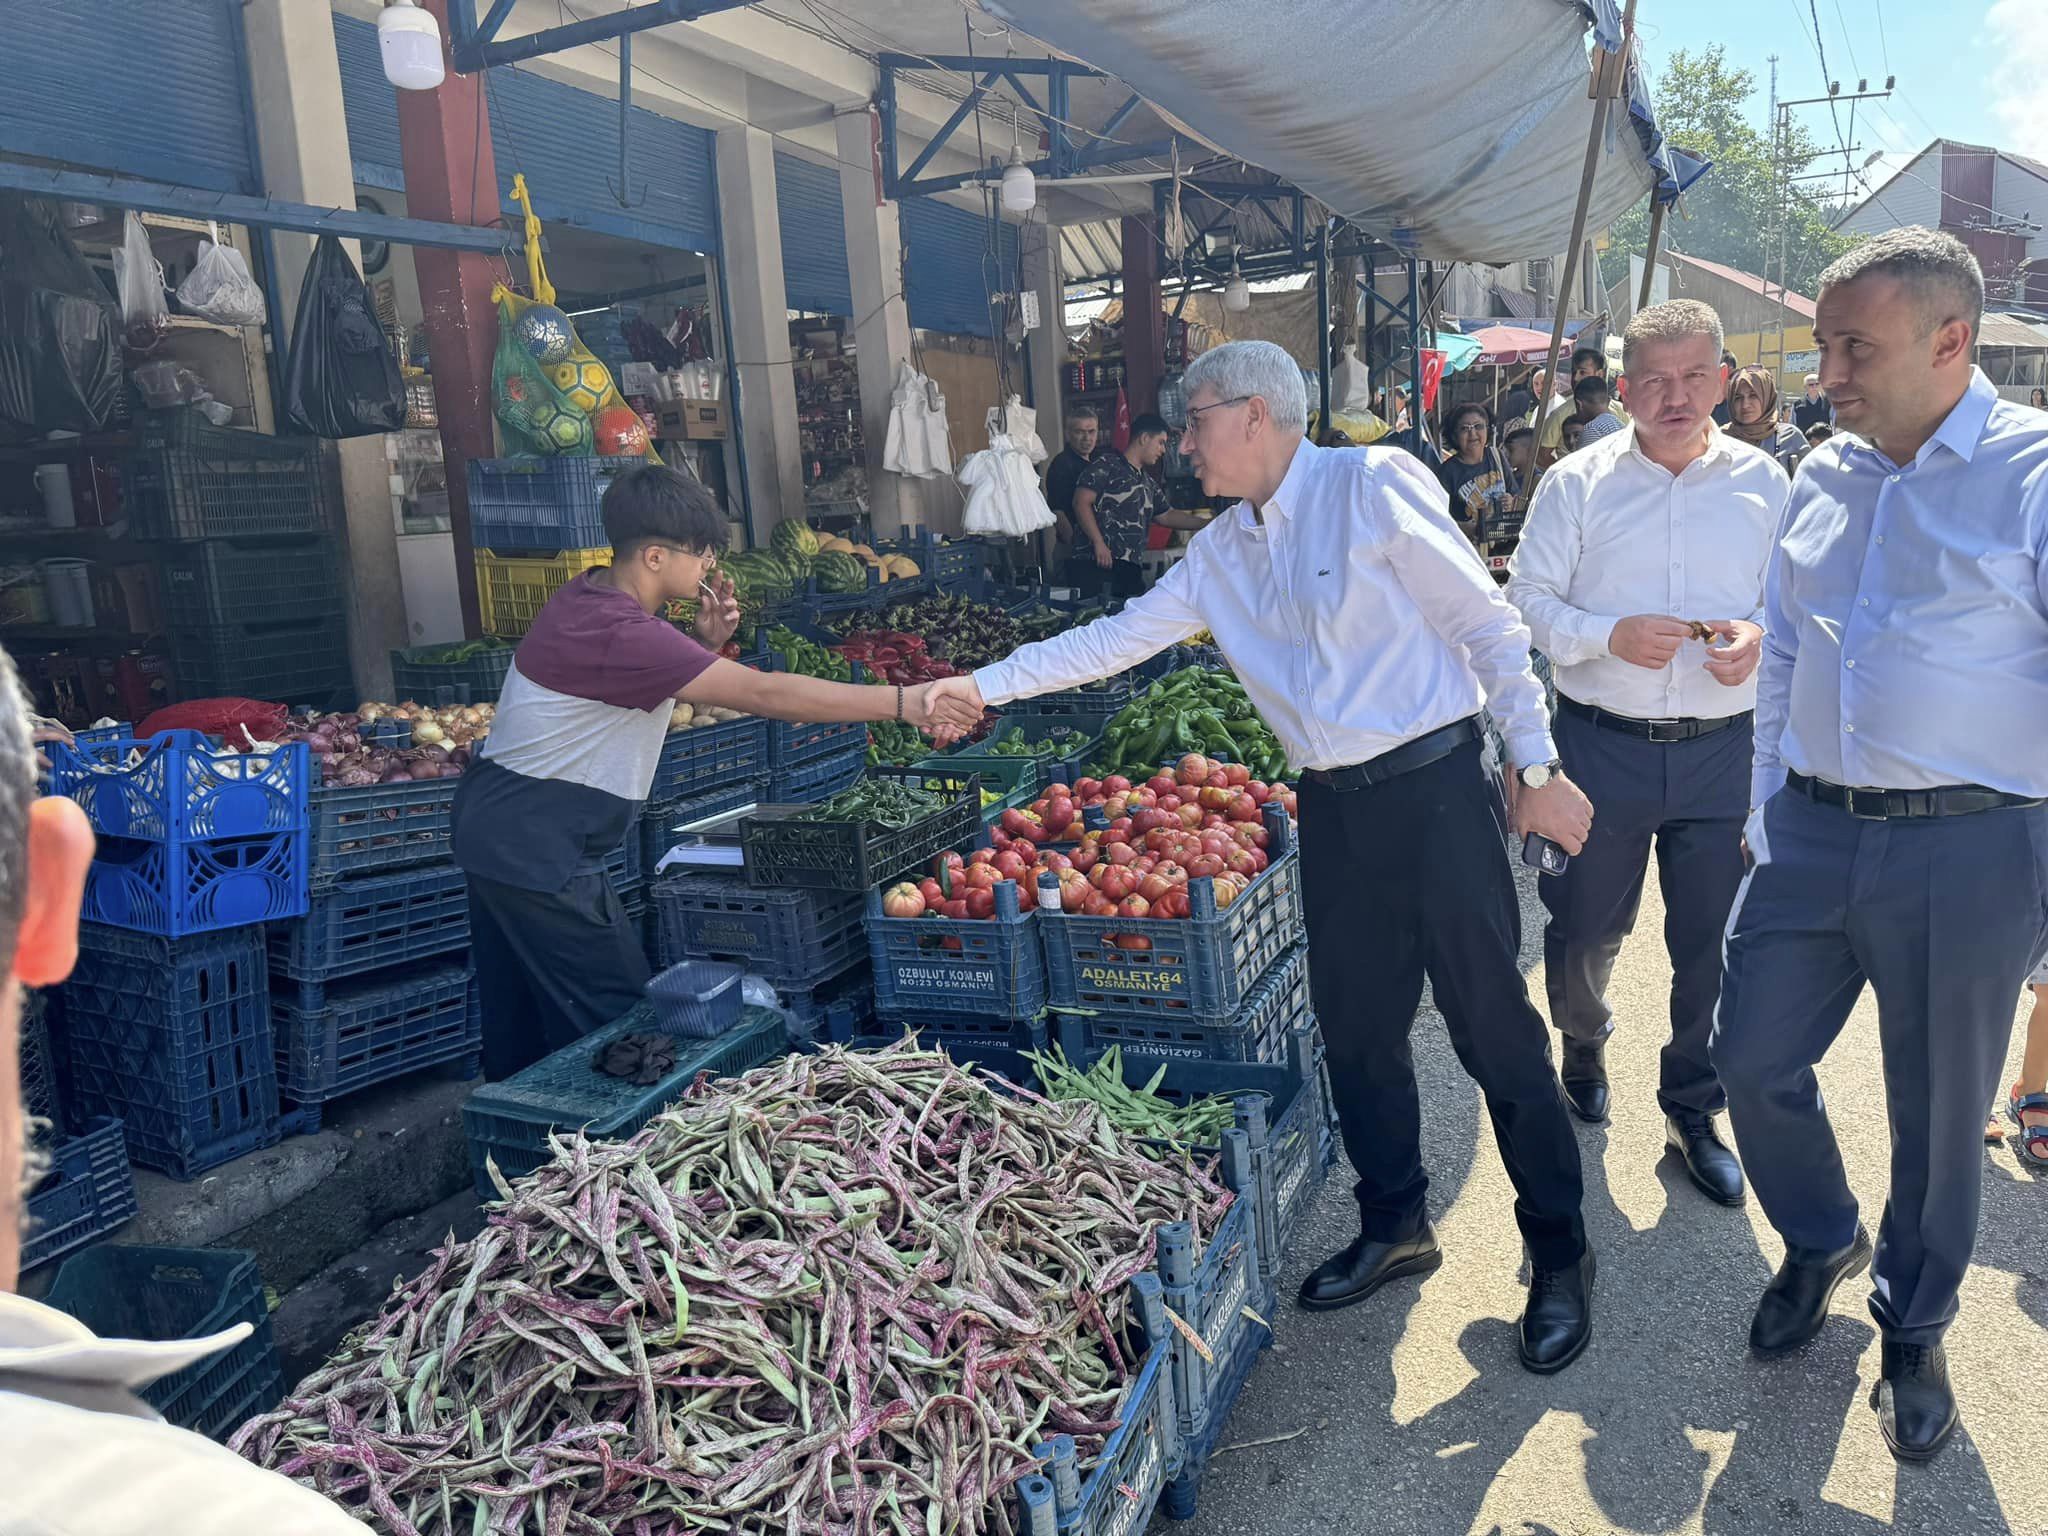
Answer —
1887 804
1649 730
1406 758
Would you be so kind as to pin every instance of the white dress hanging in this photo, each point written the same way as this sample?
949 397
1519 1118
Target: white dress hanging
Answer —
1018 422
1003 495
917 445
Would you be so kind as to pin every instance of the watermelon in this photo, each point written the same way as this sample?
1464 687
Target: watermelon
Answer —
837 571
797 544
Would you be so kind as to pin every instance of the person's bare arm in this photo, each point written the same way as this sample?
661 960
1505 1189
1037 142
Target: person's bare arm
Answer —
792 696
1084 517
1183 522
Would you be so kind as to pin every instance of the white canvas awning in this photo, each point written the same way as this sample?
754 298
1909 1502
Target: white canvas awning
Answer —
1450 137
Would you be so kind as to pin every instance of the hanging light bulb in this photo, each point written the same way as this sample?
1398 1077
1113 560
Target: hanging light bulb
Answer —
1020 187
410 41
1237 294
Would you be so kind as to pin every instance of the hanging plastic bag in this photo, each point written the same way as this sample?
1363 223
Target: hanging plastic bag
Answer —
139 280
60 343
220 288
1019 423
342 379
908 448
938 432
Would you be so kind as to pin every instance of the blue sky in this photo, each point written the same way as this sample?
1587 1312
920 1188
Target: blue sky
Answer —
1975 70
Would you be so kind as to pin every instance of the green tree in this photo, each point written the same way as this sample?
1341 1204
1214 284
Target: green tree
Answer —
1731 214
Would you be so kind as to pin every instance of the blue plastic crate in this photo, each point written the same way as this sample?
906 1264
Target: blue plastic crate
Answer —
822 777
173 1038
788 936
623 866
541 505
987 968
1098 701
1200 967
1300 1147
373 922
39 1091
176 890
706 759
178 786
658 822
1211 1291
477 680
510 1122
1117 1495
377 826
88 1191
1182 1495
122 1292
966 1040
837 1011
1277 1007
371 1032
791 745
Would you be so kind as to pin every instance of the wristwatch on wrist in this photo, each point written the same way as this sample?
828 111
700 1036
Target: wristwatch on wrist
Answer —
1536 775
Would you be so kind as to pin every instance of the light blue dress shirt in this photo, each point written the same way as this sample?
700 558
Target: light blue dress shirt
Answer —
1906 611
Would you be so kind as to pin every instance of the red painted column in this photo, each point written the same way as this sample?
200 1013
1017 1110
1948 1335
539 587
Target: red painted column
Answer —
451 175
1144 334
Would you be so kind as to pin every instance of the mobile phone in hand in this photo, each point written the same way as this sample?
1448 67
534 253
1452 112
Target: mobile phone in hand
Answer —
1544 856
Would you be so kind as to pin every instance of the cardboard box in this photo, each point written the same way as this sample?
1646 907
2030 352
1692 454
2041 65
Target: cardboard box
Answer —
691 420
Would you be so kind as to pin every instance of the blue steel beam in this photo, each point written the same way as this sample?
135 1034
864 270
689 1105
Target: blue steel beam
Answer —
257 212
938 140
478 47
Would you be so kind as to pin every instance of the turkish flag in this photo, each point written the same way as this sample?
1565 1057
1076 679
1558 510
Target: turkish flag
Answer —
1432 376
1120 428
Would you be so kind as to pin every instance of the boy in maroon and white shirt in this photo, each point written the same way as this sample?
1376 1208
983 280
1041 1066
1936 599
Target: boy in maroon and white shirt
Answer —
572 752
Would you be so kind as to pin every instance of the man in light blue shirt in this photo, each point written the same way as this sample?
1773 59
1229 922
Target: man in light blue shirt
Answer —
1898 830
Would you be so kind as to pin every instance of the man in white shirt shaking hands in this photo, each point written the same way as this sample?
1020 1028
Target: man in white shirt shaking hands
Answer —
1370 637
1641 575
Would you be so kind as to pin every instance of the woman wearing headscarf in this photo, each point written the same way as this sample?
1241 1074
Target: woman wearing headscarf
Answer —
1753 417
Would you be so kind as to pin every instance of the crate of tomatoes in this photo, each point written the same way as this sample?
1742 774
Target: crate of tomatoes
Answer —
1178 905
960 941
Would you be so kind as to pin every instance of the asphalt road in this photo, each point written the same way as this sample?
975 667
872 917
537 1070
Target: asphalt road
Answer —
1409 1416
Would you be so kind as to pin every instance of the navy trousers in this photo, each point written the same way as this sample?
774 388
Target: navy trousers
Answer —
1689 798
1943 916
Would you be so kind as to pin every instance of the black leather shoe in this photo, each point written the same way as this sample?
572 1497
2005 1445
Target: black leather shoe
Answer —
1558 1320
1584 1075
1916 1407
1708 1161
1365 1266
1795 1303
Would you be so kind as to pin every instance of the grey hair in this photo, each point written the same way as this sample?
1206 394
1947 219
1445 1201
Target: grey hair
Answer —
1082 413
1671 321
1248 368
1936 269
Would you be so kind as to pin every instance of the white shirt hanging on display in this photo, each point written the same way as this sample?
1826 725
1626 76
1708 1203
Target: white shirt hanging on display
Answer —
918 444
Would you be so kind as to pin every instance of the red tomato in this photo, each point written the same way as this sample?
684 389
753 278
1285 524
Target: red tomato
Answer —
1258 792
981 877
1173 904
1142 798
932 894
1085 857
1286 799
1120 829
1133 905
1242 807
1054 861
1088 791
1145 822
1215 797
1154 885
1132 941
1145 863
1010 866
1239 862
1074 890
1219 776
1099 905
951 943
1116 784
902 900
981 902
1160 784
1237 773
1171 803
1190 817
1249 834
1192 769
1122 853
982 856
957 908
950 859
1205 864
1116 883
1027 896
1258 858
1218 843
1059 812
1115 806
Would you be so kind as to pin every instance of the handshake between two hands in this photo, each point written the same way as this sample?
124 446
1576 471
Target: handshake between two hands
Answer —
945 710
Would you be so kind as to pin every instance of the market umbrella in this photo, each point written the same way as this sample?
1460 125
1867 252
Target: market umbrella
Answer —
1460 351
1506 346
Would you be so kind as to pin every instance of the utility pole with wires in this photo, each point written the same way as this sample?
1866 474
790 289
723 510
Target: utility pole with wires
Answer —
1771 343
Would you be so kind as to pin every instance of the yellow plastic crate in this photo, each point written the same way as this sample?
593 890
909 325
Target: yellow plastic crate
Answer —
510 589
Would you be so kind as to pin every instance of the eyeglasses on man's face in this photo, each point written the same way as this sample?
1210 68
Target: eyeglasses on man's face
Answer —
1197 412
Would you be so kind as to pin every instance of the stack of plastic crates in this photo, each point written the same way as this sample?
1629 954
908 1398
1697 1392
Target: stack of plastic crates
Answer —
191 838
806 944
536 523
251 590
86 1188
172 1037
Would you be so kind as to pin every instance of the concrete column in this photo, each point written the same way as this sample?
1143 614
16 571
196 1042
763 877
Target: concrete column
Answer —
1144 335
302 141
1048 343
451 175
874 265
752 235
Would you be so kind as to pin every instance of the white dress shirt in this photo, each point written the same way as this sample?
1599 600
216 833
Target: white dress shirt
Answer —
1907 643
1611 534
1356 614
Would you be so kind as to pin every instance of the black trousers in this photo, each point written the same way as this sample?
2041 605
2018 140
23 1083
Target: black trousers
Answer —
551 966
1690 798
1406 879
1124 578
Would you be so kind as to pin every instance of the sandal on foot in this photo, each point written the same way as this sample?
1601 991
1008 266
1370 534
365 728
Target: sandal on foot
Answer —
2032 1145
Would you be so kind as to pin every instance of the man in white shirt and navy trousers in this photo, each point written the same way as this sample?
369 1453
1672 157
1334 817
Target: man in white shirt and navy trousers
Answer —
1370 638
1630 543
1899 836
